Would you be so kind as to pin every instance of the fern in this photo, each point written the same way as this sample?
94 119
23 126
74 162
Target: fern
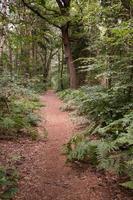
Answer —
7 123
8 183
17 114
128 184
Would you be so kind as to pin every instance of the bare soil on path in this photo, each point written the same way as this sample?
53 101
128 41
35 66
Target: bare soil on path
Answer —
44 174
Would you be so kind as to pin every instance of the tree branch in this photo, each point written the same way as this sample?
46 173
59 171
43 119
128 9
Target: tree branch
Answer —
59 4
38 13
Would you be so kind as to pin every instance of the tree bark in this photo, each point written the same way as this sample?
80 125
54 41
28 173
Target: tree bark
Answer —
10 60
62 67
64 6
69 58
3 31
46 63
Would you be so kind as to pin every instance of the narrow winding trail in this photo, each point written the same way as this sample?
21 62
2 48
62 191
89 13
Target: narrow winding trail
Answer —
45 175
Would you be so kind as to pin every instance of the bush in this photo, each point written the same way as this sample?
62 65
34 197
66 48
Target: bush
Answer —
17 105
8 182
37 84
108 141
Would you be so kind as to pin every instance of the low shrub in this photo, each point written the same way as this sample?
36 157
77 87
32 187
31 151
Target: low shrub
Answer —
17 108
8 183
108 141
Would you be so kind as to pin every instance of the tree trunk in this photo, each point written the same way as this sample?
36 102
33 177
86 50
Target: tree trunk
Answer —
47 63
10 60
61 71
128 5
69 58
3 29
60 68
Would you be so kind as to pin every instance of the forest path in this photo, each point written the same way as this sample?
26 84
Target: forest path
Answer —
46 176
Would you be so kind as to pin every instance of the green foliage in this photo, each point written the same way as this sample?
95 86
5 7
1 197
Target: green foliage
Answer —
8 183
98 103
107 98
128 184
101 38
112 148
18 106
36 84
59 80
80 149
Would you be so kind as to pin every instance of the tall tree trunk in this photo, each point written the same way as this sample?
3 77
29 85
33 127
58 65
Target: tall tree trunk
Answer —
10 60
46 63
68 55
61 70
3 31
16 60
64 6
128 5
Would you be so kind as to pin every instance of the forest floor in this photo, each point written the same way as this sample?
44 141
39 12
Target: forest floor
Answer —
44 174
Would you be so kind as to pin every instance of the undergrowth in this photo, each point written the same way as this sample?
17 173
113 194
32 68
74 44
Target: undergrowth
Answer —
108 141
8 182
17 109
18 118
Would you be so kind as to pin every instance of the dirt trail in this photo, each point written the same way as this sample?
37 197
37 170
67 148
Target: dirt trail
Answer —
44 174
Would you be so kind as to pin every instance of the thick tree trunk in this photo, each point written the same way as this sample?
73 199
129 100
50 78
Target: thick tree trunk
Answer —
69 58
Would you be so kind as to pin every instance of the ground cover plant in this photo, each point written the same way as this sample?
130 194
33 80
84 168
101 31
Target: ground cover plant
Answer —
18 105
82 50
8 182
108 141
18 119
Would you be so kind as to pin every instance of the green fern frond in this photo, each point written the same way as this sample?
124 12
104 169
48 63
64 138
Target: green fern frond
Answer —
128 184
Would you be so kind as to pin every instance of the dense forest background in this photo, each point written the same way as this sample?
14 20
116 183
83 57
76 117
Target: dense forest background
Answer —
83 50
